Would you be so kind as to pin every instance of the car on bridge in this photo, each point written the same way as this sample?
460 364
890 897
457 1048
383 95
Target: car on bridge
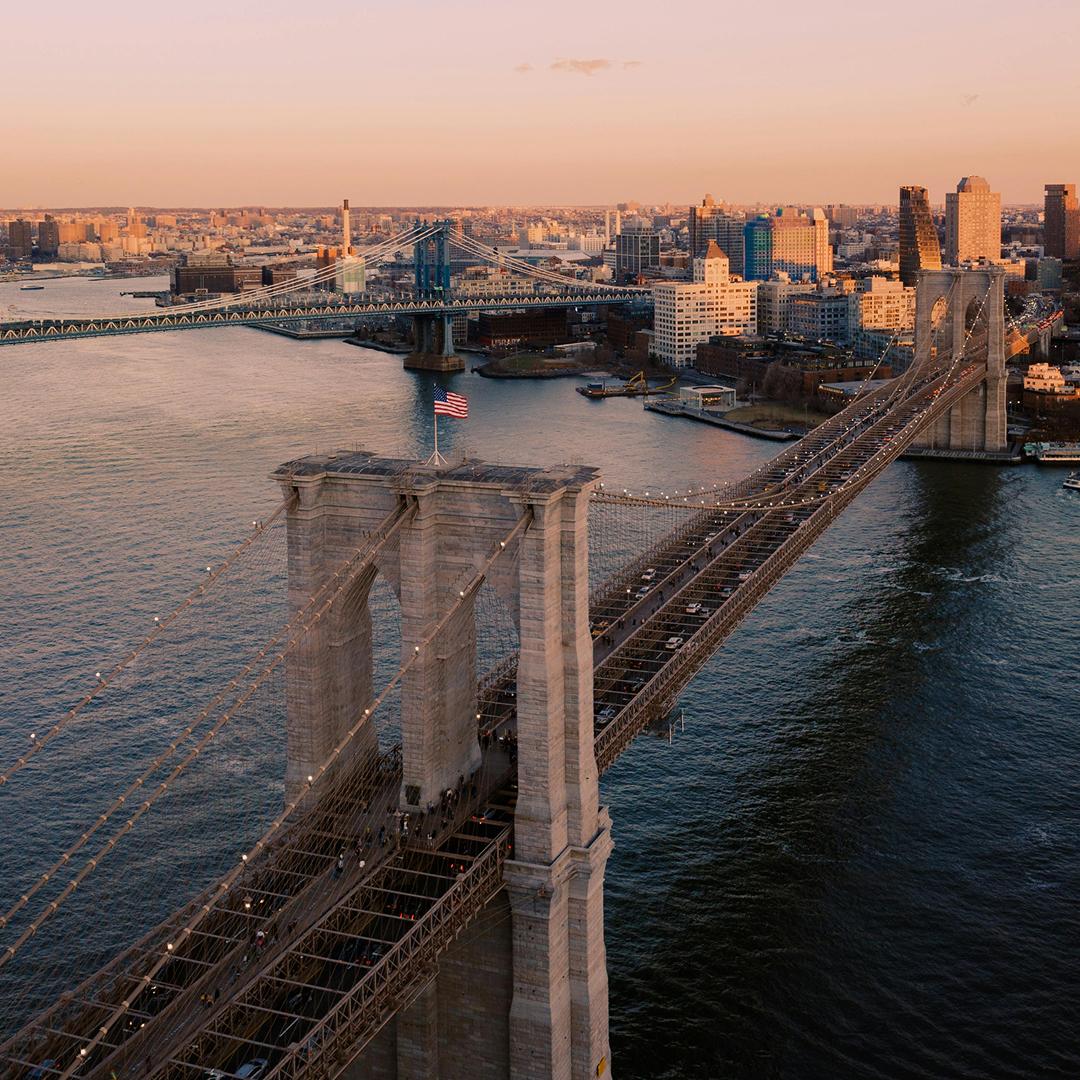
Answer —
696 609
250 1070
606 715
649 574
674 642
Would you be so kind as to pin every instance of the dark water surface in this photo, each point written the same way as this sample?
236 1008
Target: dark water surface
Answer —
862 857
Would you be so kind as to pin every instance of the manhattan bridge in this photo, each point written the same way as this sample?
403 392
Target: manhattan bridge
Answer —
464 649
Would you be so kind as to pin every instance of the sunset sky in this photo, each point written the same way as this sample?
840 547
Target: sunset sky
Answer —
452 102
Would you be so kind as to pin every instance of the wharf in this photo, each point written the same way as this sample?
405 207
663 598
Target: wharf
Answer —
676 408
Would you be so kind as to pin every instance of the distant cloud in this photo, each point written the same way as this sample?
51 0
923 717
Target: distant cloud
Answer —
969 99
581 67
631 63
521 69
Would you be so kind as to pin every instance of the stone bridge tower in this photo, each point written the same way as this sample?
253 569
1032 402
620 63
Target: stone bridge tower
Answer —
523 993
964 310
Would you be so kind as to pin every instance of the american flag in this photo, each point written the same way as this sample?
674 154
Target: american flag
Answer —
448 404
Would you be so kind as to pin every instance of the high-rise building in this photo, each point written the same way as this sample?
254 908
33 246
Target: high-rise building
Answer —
20 238
1061 222
789 242
637 249
757 249
842 217
136 227
106 229
711 221
919 246
972 222
48 236
71 232
686 313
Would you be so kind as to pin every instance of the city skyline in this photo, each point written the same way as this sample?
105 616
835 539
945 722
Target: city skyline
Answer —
492 107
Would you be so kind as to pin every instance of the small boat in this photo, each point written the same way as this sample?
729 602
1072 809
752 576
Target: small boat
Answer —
30 288
1072 481
592 390
636 386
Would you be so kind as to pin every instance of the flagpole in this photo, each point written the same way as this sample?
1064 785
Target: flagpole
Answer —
436 458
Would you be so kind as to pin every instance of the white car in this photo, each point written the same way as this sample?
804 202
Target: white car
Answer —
694 609
673 643
649 574
250 1070
606 715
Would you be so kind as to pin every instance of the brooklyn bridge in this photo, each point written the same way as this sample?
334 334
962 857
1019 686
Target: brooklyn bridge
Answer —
428 898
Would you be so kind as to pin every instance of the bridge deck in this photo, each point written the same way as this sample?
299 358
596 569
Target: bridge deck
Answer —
344 950
300 309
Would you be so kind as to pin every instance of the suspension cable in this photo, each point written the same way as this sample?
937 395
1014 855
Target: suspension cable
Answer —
366 553
464 593
370 256
38 744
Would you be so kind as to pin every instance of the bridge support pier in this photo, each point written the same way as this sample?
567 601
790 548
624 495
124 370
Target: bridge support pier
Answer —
558 1018
330 670
963 311
433 345
438 717
523 993
418 1038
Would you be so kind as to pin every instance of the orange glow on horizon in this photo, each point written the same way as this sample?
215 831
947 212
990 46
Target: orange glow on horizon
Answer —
464 103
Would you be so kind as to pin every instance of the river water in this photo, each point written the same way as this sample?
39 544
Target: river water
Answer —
862 856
